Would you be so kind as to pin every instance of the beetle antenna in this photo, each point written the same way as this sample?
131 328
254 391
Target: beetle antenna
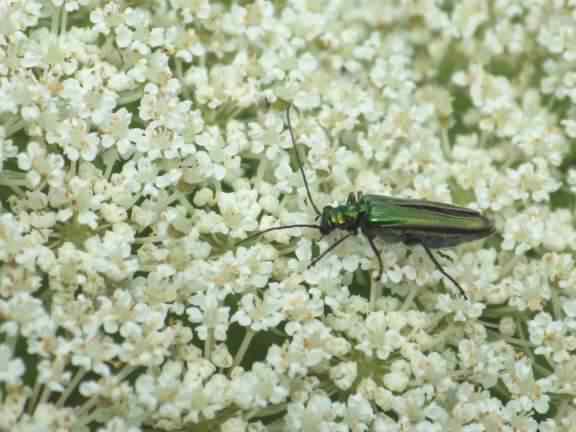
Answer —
289 122
259 233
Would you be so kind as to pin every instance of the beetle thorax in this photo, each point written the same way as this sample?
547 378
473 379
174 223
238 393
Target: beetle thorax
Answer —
344 217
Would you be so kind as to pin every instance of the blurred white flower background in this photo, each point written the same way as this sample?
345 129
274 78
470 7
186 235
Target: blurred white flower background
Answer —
141 140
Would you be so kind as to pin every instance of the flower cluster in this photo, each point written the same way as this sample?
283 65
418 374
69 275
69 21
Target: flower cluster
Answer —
141 142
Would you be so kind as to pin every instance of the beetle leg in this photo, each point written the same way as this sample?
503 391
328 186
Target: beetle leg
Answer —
443 255
332 246
441 270
377 253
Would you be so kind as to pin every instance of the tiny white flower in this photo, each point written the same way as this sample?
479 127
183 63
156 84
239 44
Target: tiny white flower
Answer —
118 424
11 369
396 381
344 374
210 315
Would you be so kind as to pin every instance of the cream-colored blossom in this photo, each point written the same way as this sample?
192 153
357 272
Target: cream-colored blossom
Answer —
141 141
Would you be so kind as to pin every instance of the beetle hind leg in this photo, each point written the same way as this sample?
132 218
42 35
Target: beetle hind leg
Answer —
441 270
445 256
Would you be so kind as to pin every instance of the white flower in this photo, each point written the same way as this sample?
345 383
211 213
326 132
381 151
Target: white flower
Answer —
111 255
258 388
556 35
116 132
118 424
139 144
377 338
487 360
104 18
7 148
553 339
162 107
358 413
210 315
41 165
46 416
240 211
11 369
344 374
396 381
203 400
146 346
121 310
54 374
393 75
468 15
25 315
528 392
312 344
535 180
525 230
463 310
299 304
259 314
235 424
530 286
76 140
318 413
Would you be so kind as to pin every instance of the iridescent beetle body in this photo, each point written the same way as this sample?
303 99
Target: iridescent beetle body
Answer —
432 225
